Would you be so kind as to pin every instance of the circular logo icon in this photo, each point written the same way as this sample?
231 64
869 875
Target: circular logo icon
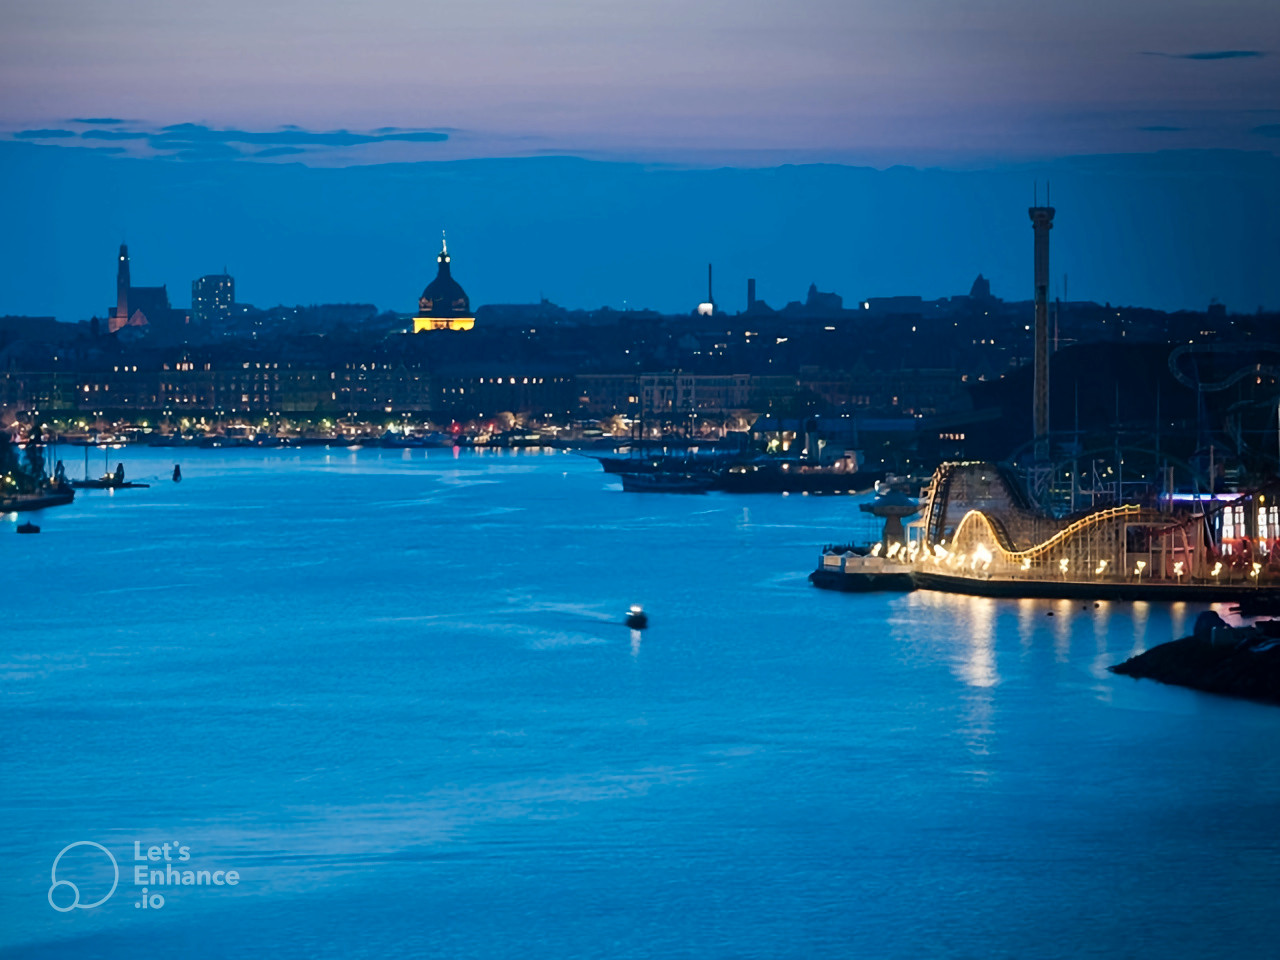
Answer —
75 891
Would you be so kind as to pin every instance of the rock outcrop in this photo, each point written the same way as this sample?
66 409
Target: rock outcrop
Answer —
1234 661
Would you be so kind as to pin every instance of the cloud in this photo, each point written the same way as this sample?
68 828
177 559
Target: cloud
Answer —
1267 130
1160 128
290 136
203 151
114 135
103 121
1208 55
196 141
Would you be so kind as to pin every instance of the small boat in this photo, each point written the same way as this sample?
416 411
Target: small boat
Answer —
637 619
28 527
667 482
177 473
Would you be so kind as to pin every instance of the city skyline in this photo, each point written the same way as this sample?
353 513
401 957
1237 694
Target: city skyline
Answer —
1169 231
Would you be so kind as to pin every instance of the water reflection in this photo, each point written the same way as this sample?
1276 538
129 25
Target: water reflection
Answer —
1141 613
979 668
1062 611
1027 611
1101 625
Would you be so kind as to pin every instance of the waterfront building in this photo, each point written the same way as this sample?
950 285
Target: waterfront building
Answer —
212 299
444 304
676 394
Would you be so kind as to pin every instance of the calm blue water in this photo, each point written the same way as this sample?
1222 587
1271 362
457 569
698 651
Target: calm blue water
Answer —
391 692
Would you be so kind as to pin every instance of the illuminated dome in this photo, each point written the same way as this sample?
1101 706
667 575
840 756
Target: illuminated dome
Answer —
444 296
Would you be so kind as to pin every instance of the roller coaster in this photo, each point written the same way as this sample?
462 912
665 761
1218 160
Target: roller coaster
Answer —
1003 546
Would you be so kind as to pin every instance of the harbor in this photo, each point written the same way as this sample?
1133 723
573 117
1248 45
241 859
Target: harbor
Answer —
758 730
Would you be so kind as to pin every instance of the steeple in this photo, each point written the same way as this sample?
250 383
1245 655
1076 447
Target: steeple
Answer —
122 282
442 258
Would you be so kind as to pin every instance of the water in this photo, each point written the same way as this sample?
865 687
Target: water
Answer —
392 691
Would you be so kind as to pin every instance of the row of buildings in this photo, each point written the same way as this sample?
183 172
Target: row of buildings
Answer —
192 384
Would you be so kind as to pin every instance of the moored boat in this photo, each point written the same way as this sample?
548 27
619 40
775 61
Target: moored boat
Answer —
766 475
667 482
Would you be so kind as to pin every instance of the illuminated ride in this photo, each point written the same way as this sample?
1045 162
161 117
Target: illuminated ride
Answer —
980 535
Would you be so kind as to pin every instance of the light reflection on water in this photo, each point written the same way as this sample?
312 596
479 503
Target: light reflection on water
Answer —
427 725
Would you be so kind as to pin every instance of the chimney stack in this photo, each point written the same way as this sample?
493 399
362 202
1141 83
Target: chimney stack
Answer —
1041 223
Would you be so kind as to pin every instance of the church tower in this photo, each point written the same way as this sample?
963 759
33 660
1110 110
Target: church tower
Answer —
121 315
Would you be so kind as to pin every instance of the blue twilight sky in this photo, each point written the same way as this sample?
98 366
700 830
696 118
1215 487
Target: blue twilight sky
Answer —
598 151
692 81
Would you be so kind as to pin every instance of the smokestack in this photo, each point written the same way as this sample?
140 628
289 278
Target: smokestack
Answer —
751 293
1042 223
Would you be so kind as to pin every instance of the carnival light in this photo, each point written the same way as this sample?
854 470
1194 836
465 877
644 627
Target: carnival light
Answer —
875 551
1257 568
1064 563
1137 571
1217 568
1026 563
893 549
1102 566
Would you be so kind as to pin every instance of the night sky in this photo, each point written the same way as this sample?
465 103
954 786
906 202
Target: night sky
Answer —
1004 87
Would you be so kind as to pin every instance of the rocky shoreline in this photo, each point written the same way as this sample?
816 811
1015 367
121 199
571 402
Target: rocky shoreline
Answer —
1234 661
